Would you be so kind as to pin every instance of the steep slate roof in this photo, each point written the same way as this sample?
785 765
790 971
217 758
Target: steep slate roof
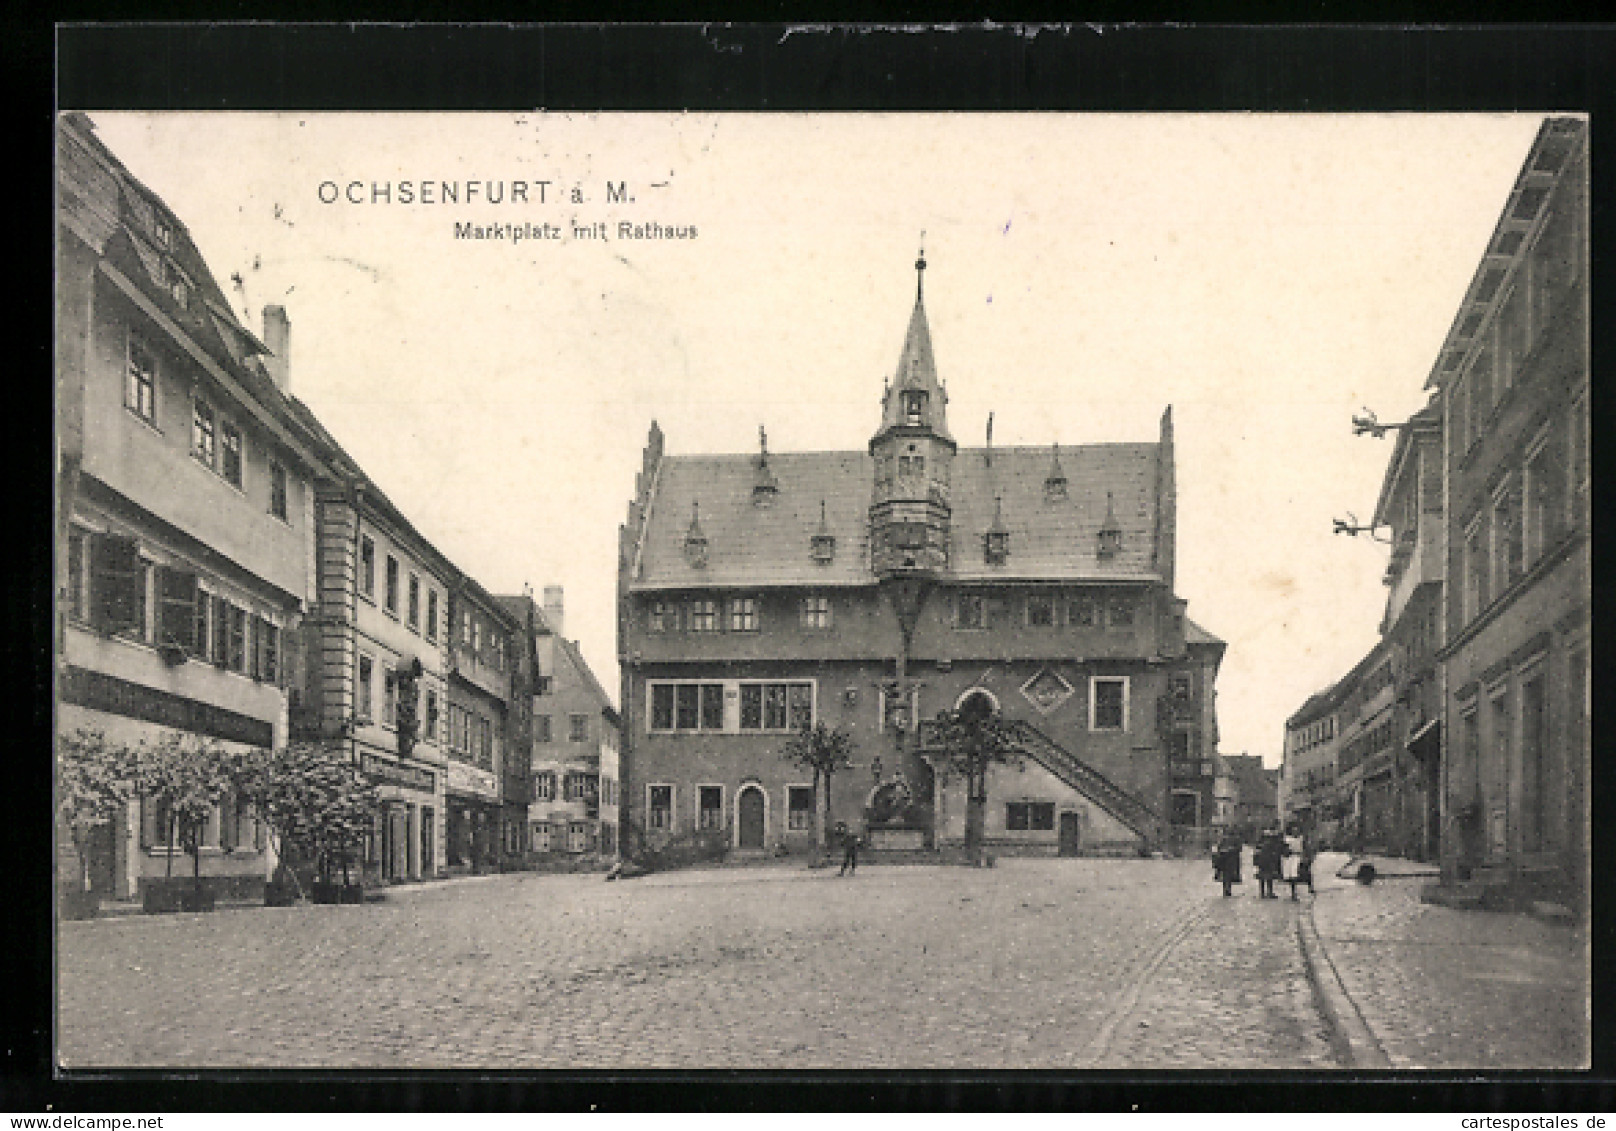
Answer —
750 546
1195 634
917 369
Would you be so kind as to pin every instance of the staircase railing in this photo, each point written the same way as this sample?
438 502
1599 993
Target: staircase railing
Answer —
1088 781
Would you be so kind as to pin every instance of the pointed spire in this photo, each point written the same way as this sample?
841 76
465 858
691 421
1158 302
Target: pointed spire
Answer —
920 270
915 397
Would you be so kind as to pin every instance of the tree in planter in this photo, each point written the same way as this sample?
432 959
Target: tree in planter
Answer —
968 742
284 789
825 751
94 782
185 780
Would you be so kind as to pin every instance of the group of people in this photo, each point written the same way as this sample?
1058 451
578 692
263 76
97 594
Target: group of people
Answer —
1277 857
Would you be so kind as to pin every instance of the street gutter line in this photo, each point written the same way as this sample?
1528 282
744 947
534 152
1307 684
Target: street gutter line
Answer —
1130 1001
1355 1043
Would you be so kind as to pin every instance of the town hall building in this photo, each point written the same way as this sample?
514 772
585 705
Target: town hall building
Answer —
869 590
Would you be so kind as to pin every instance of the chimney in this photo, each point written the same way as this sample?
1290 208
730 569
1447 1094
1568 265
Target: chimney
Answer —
278 337
554 609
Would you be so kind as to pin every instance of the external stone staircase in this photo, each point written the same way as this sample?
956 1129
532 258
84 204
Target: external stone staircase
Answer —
1088 781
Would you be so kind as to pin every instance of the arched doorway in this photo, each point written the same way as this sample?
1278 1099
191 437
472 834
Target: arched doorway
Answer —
749 817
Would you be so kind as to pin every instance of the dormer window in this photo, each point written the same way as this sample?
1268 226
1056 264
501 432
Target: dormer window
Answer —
822 545
164 234
695 540
914 406
1109 542
996 542
1055 481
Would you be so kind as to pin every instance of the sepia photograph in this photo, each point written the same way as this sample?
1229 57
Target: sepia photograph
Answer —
558 590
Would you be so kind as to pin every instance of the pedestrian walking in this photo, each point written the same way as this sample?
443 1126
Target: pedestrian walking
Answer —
1304 864
1291 860
1226 862
850 847
1270 850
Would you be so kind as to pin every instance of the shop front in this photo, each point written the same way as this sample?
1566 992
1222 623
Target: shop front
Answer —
404 846
474 826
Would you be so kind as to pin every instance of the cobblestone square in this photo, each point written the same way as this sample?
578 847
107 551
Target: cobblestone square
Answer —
1055 964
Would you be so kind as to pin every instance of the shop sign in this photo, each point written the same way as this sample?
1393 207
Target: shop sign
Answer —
101 692
393 773
464 778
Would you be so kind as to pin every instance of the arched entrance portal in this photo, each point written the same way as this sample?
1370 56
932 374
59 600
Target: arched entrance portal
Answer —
749 806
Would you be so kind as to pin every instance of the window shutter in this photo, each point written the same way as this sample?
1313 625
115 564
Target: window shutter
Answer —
177 605
116 578
221 632
272 653
255 647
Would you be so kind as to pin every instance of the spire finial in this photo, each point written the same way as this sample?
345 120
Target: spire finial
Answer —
763 443
920 269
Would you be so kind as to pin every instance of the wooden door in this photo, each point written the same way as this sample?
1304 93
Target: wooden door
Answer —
751 818
1071 833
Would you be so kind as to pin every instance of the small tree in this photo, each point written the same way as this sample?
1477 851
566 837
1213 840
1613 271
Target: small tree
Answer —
186 780
825 751
967 742
94 781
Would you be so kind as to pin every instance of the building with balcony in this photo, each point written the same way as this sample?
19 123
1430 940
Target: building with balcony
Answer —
186 483
1512 379
869 590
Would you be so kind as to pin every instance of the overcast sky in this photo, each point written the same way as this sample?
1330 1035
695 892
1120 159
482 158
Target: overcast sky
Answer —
1266 275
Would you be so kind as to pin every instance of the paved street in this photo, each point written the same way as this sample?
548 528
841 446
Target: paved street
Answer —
1445 988
1056 964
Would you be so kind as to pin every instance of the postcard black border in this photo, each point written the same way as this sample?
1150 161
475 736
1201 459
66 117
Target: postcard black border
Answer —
897 66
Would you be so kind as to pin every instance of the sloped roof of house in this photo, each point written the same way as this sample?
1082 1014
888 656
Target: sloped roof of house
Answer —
1050 539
